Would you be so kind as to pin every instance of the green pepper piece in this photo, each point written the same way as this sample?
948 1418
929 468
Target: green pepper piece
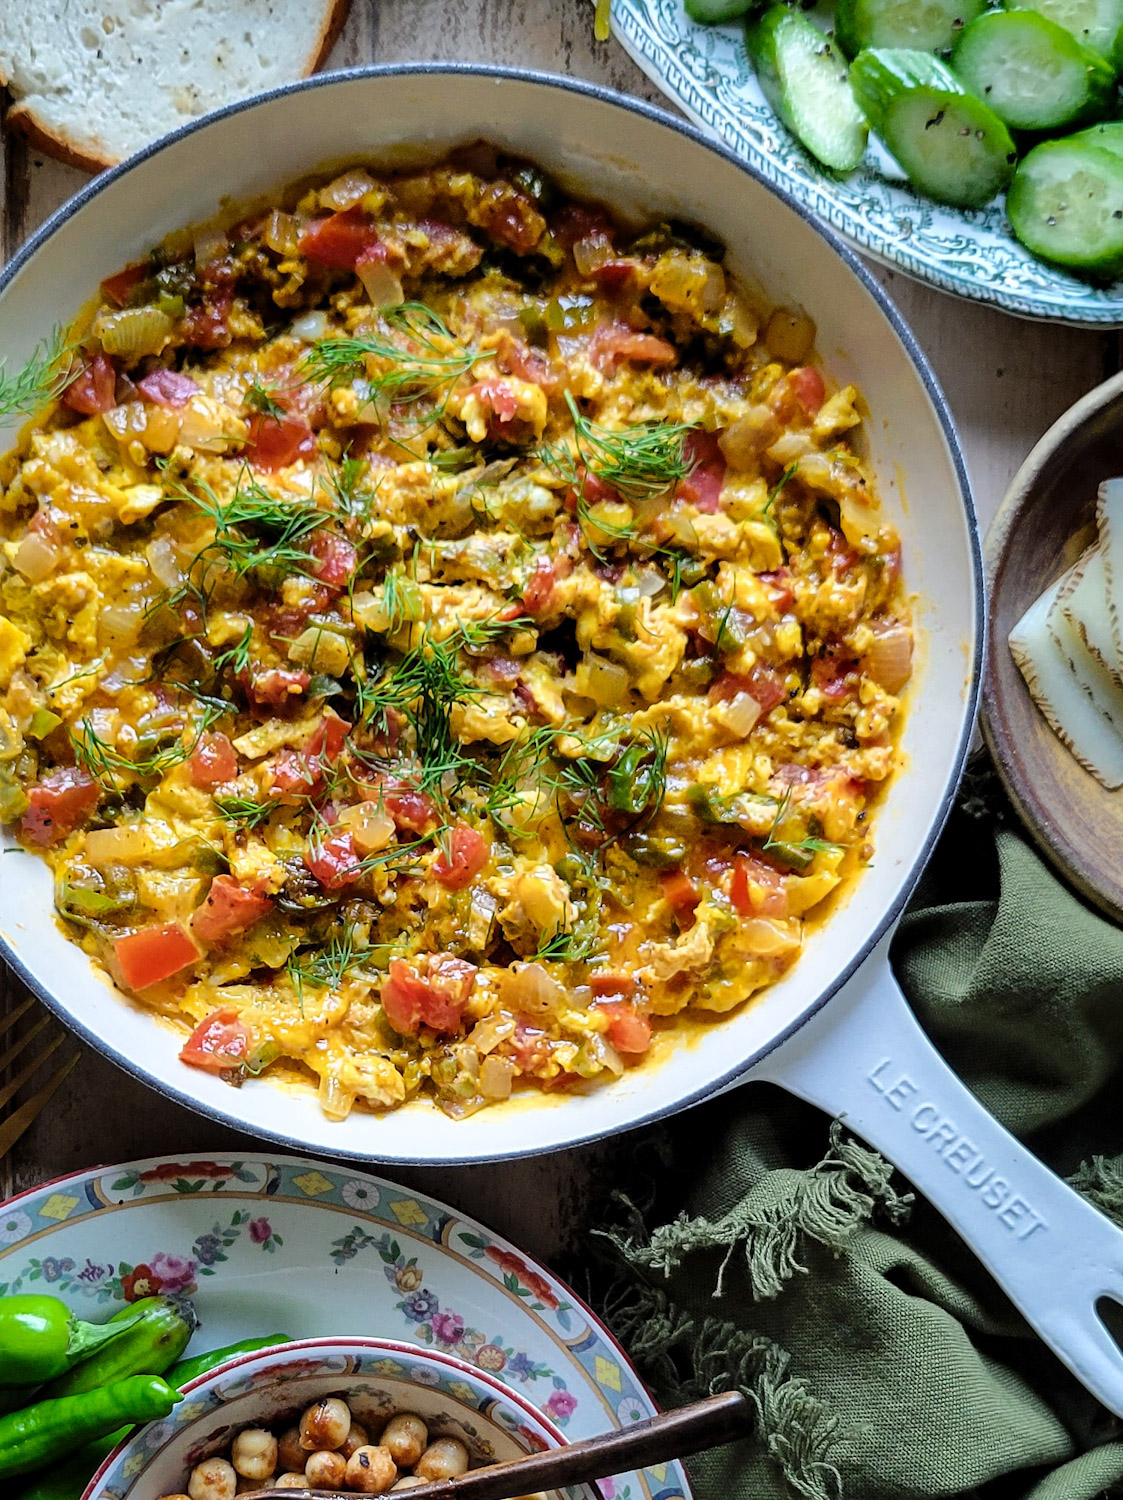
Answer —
41 1338
629 782
708 804
13 800
43 721
157 1330
657 853
170 304
53 1429
533 325
186 1370
792 856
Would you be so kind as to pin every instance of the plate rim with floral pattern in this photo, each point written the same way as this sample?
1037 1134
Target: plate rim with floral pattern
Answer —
971 253
586 1360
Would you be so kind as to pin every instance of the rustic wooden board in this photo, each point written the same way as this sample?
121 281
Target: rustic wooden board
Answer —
1006 380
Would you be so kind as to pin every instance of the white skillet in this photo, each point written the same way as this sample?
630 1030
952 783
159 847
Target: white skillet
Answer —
863 1056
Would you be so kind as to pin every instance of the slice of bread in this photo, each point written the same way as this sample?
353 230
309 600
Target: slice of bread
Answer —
94 80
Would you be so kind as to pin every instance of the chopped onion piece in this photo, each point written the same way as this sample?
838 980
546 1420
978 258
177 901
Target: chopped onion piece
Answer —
310 328
496 1074
790 334
35 557
126 845
282 233
739 715
1055 689
133 331
163 559
211 244
889 659
119 624
531 988
767 937
592 252
348 190
370 825
381 285
605 682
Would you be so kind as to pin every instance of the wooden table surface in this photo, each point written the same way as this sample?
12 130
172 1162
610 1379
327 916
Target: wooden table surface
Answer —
1006 380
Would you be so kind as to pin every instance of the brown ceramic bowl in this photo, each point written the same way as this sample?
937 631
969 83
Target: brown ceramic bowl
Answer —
1045 521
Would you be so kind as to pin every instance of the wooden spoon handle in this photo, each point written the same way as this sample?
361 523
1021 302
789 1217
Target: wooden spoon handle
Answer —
656 1440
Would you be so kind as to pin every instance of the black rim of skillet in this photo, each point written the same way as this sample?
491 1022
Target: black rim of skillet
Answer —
939 403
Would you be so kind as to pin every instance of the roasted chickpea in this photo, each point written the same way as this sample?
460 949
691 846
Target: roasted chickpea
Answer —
325 1470
407 1482
371 1470
356 1438
325 1424
291 1456
407 1437
443 1459
213 1479
254 1453
251 1486
180 1496
291 1482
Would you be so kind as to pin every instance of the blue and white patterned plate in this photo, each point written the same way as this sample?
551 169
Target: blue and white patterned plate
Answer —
266 1244
971 252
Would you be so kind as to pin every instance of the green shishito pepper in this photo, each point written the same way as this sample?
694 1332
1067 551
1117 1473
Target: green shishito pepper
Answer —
156 1331
631 784
67 1480
41 1338
52 1429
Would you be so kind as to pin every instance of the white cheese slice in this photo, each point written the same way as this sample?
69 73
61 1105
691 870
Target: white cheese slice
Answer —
1084 602
1109 516
1053 684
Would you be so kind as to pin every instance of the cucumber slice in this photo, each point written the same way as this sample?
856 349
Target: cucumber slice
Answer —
1033 73
804 79
1108 137
950 145
1093 22
1066 205
928 25
715 12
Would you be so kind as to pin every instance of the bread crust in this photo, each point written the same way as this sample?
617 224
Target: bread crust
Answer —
23 119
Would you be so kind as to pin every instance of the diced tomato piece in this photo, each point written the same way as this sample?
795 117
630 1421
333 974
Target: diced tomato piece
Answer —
118 286
779 584
437 998
619 985
702 486
615 276
207 324
168 388
328 737
836 675
213 760
274 443
580 221
94 389
334 861
807 385
155 953
293 776
529 1045
277 687
467 854
410 809
220 1042
339 240
541 587
612 343
228 908
681 893
517 358
336 558
58 804
758 889
764 683
628 1031
841 555
499 397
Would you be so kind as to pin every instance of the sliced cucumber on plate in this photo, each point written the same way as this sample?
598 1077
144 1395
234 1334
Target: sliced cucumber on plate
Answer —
1066 204
1033 73
950 145
1096 23
803 76
929 25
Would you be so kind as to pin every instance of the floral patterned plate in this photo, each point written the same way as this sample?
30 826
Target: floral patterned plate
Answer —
971 252
275 1244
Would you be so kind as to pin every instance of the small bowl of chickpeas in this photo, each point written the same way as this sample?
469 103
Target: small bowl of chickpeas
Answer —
356 1415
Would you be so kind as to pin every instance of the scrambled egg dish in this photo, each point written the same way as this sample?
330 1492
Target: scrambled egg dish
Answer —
446 636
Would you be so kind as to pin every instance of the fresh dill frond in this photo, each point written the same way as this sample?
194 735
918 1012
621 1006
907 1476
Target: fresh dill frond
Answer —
245 812
98 758
261 399
237 656
46 375
420 355
342 486
88 671
523 773
774 494
792 847
640 462
326 967
566 947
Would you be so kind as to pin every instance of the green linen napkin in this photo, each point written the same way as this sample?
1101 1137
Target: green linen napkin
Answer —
760 1246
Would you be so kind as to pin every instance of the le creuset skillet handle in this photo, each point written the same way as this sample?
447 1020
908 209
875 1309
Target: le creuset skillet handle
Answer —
864 1057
